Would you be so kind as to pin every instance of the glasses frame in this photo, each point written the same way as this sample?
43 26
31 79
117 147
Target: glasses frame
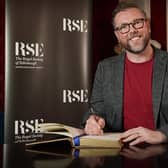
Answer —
133 24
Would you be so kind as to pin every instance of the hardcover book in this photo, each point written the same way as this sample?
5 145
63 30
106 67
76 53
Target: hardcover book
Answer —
75 137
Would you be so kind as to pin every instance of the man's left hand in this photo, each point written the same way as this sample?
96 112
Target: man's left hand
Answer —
139 135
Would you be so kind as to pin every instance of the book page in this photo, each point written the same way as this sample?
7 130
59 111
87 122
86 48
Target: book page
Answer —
107 140
55 128
105 136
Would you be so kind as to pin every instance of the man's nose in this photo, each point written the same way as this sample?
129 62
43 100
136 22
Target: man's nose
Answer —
132 29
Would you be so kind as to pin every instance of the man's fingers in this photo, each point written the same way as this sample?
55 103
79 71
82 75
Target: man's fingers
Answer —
93 122
101 122
137 141
93 130
94 125
130 138
131 132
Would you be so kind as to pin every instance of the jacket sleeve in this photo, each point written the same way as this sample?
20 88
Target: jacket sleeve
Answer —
164 130
163 120
96 102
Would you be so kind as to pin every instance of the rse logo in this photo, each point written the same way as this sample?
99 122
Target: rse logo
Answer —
28 126
73 25
80 96
29 49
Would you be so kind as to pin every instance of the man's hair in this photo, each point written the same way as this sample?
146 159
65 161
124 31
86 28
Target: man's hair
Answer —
122 6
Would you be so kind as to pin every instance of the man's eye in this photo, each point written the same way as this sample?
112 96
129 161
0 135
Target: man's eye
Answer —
137 22
124 26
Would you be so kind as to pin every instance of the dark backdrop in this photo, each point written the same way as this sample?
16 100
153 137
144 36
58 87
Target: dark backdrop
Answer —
1 54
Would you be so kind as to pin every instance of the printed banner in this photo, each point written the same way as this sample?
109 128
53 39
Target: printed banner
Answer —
48 65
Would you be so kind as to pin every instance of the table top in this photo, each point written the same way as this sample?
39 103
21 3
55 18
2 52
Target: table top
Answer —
146 156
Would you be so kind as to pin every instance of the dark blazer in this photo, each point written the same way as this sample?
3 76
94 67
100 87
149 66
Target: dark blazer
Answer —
107 93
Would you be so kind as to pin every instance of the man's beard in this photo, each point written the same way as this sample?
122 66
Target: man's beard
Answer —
136 49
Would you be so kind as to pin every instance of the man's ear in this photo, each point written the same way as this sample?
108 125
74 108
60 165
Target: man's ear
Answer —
117 35
149 24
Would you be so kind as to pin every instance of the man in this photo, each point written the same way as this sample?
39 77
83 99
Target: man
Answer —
130 91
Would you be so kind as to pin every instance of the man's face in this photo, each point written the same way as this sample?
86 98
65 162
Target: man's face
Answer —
133 37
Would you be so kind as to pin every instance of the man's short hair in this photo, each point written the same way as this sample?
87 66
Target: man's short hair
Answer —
122 6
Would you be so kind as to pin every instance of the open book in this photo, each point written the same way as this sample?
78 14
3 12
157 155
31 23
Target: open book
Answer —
75 137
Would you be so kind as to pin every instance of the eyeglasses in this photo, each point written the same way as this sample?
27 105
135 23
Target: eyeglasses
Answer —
136 24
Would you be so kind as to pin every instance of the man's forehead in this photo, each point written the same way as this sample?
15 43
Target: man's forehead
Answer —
128 15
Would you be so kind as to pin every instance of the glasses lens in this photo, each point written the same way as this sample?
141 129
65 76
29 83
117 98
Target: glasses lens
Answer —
124 28
138 23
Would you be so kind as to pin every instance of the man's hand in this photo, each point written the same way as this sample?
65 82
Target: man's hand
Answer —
140 134
94 125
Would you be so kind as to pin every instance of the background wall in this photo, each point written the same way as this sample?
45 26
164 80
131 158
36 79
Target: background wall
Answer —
103 38
158 22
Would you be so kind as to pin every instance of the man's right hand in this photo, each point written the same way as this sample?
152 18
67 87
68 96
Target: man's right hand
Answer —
94 125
